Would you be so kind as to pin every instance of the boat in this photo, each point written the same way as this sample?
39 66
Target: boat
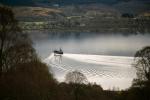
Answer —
58 52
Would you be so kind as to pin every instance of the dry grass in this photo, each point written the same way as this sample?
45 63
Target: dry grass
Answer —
35 11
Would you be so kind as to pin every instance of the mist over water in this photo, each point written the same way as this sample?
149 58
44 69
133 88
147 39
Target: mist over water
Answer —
87 43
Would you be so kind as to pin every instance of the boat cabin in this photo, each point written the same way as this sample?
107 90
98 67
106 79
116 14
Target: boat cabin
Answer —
58 52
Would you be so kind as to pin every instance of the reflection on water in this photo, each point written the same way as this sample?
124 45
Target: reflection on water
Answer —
100 44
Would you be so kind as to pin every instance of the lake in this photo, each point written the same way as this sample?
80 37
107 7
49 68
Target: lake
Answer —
105 59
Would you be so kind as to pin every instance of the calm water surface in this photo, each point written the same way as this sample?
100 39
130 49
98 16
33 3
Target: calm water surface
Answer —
87 43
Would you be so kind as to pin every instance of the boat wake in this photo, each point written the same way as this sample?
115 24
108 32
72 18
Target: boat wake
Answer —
108 71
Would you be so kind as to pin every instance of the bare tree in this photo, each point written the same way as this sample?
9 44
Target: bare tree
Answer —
76 77
142 64
15 46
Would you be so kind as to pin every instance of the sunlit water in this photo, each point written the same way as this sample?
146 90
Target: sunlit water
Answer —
107 71
104 59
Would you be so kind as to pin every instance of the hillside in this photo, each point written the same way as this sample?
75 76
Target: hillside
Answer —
85 18
65 2
132 6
